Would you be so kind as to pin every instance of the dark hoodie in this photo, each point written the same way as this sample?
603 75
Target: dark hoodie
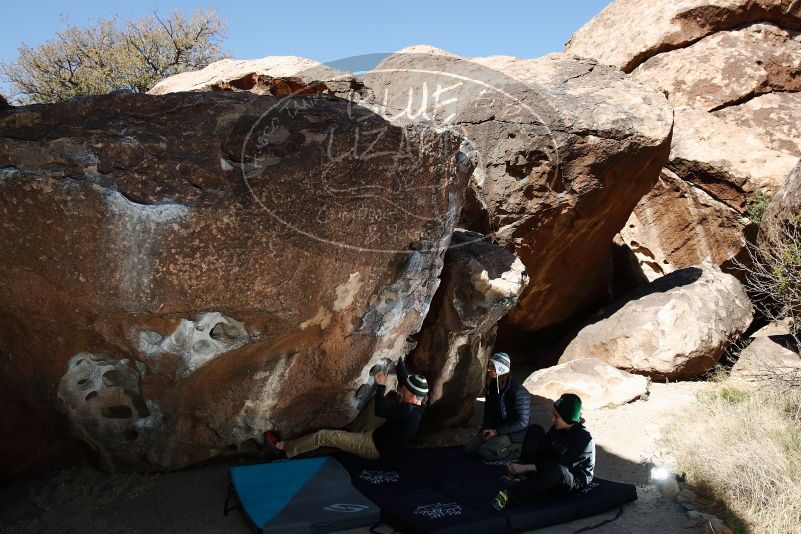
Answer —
509 410
573 448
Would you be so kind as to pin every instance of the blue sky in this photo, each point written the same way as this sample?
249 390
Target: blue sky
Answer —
327 31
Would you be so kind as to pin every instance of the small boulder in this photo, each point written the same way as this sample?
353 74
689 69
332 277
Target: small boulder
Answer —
767 357
782 213
675 327
595 381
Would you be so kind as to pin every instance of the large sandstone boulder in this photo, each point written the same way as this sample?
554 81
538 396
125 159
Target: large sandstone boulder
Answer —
675 327
480 284
628 32
727 68
271 75
567 147
182 272
3 102
595 381
696 211
773 117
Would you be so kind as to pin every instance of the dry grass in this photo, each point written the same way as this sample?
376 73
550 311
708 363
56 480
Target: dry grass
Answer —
742 451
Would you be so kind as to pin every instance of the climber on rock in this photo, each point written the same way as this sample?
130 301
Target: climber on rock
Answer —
507 413
558 462
382 430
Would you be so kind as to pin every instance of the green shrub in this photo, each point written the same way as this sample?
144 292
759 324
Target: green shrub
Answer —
755 207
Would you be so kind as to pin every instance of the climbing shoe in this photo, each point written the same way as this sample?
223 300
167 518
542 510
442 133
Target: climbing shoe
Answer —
501 500
269 442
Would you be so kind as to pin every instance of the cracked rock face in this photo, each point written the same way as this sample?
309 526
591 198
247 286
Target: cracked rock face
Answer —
696 211
734 69
210 265
675 327
566 149
481 282
773 117
614 37
727 68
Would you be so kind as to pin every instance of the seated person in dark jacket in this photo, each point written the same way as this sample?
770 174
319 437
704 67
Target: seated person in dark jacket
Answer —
507 413
557 462
382 430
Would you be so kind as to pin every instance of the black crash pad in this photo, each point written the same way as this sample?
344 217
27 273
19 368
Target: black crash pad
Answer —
443 491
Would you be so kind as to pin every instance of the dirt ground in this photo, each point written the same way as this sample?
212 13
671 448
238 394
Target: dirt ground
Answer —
82 500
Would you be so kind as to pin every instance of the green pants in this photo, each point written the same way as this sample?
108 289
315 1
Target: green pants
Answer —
358 442
497 448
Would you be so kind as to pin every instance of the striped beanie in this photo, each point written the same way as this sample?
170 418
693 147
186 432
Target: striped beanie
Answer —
502 362
417 384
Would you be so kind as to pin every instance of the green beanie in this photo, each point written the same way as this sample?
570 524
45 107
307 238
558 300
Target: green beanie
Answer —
568 406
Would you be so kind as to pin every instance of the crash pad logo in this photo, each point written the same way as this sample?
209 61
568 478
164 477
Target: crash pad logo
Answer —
349 508
497 462
438 510
379 477
591 486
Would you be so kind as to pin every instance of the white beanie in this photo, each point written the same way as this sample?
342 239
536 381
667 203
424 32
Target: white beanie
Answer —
501 362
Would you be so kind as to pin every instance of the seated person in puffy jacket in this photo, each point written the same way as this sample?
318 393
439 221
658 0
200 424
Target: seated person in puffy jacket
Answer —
557 462
507 414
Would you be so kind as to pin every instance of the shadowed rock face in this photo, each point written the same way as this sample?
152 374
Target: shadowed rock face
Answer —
567 147
183 272
677 225
675 327
3 102
480 283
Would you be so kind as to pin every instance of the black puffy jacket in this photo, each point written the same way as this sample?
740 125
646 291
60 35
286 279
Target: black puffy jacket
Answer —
507 411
